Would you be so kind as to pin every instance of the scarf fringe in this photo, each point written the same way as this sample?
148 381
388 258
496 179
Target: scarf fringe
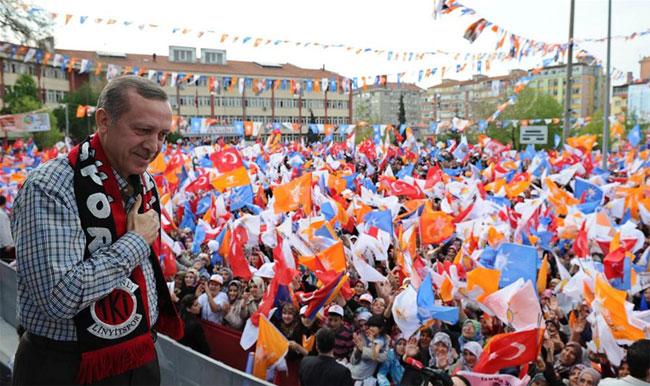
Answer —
115 359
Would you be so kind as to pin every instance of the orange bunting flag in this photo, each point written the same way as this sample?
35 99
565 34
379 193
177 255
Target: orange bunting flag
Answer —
271 347
293 195
435 226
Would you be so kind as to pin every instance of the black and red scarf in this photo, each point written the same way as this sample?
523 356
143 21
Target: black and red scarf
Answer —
114 333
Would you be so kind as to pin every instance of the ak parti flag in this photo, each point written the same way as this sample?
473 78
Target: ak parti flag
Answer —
485 278
232 179
614 310
271 347
293 195
435 226
508 350
333 258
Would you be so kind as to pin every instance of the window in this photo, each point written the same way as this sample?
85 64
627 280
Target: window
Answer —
213 56
182 54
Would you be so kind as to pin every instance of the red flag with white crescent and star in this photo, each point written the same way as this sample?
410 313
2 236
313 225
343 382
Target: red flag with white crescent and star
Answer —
508 350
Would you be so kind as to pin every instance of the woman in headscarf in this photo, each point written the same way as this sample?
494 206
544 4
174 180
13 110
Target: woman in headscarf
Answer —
589 377
190 284
442 352
289 325
256 289
234 317
470 354
471 332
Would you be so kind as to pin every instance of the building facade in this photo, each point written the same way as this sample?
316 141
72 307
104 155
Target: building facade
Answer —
473 99
638 101
380 104
587 89
208 86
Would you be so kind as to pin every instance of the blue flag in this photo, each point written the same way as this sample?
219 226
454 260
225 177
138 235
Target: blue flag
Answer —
634 136
427 308
240 197
516 261
381 219
556 141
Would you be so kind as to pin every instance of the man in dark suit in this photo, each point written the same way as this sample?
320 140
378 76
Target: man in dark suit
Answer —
324 369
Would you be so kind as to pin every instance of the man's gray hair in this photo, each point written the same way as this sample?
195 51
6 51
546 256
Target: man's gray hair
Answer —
114 97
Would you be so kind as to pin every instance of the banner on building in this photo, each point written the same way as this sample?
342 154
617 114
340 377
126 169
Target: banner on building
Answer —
31 122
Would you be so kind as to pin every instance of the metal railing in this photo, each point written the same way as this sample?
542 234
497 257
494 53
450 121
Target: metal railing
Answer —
179 365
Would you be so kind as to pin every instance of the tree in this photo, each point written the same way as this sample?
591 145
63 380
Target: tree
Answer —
80 128
23 98
401 115
530 104
362 110
27 24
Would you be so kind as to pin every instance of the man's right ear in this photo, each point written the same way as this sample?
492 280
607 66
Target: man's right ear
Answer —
102 120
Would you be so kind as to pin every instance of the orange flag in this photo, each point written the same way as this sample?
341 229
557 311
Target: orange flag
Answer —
333 258
158 164
485 278
435 226
81 111
231 179
271 347
293 195
583 142
614 311
542 275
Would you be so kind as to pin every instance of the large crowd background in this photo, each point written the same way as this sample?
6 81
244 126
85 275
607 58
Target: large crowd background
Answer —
508 266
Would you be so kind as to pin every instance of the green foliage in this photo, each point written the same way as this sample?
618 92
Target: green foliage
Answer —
80 128
362 133
173 137
23 96
530 104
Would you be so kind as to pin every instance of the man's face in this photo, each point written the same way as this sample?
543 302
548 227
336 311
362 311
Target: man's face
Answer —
214 287
335 321
135 139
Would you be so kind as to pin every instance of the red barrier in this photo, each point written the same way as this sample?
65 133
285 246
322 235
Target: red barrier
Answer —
224 347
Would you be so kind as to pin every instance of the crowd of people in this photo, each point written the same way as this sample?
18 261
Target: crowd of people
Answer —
453 210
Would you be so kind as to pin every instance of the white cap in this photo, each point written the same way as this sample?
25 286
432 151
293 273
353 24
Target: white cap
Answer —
366 297
218 278
335 309
266 270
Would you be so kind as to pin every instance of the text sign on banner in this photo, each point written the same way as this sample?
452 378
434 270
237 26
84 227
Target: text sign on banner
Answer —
536 135
25 122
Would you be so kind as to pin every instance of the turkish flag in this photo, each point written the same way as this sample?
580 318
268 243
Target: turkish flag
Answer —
401 188
507 350
236 258
202 183
227 160
581 245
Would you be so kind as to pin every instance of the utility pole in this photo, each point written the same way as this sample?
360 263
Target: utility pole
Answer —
569 72
607 84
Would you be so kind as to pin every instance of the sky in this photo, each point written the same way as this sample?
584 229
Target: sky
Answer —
398 26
